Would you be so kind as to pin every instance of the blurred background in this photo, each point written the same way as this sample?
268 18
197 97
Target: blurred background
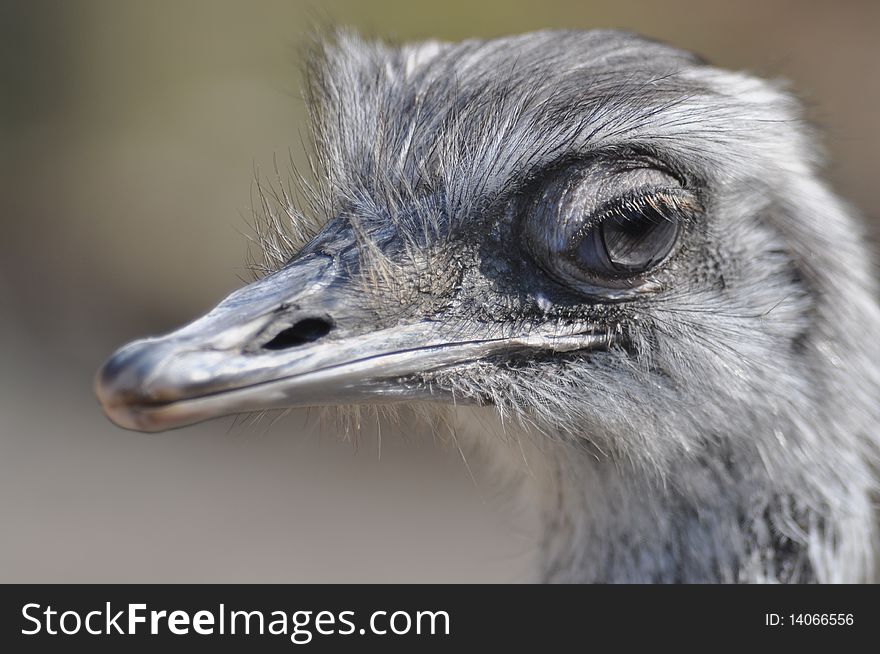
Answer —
130 133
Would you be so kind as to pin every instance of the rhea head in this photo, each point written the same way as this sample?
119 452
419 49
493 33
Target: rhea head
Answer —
588 229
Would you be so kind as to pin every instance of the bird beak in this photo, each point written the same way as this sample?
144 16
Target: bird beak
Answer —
295 338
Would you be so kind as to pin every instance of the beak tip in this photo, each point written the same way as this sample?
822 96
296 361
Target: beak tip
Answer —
118 388
130 416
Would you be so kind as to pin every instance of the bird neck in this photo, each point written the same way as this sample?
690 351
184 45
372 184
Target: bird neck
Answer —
600 520
713 517
603 523
720 513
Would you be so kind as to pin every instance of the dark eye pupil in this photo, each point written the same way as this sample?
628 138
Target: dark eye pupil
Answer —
626 243
636 244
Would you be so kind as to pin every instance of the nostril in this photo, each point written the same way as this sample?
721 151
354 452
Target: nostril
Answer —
305 331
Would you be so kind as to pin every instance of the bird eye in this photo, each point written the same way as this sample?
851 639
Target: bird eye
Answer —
628 240
606 227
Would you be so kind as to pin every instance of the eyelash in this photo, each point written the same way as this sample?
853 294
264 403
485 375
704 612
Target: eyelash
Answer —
663 201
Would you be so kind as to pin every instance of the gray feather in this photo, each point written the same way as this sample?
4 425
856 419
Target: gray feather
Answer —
735 436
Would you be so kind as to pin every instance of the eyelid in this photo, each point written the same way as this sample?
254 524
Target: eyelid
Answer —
683 203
